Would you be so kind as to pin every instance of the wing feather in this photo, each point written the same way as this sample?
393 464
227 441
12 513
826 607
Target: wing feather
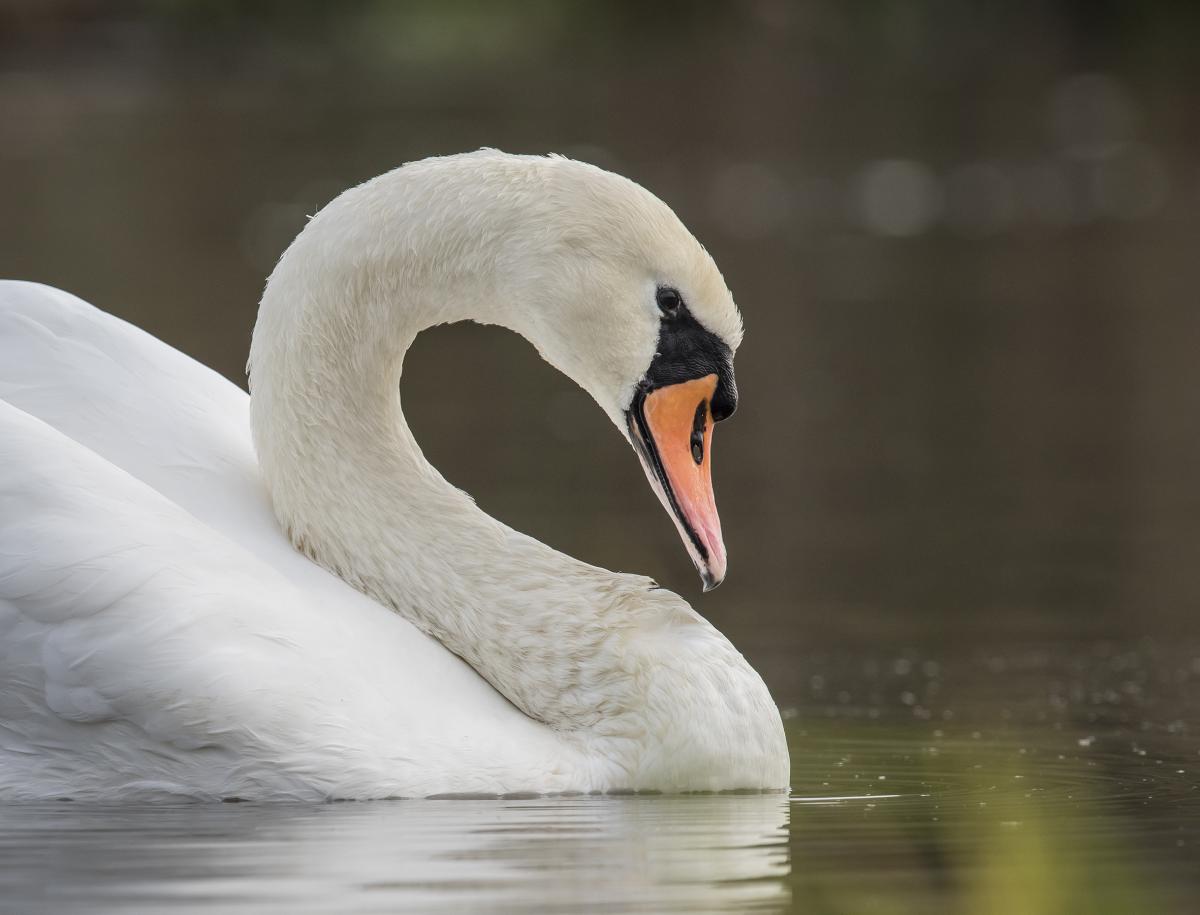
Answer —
158 634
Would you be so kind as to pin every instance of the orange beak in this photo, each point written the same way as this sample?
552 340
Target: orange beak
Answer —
672 428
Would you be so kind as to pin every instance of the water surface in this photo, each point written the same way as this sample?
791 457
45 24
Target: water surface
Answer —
1064 792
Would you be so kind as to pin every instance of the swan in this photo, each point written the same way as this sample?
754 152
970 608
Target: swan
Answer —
209 595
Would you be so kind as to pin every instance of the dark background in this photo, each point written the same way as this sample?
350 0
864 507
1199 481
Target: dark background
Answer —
964 236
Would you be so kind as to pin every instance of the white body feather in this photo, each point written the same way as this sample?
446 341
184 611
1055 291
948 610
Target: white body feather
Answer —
159 633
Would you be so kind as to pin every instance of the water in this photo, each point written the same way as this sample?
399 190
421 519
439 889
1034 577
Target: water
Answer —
1076 787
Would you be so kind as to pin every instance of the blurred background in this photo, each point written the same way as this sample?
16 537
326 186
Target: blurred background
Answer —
965 237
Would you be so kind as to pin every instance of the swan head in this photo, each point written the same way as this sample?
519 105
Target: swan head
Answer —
594 270
624 299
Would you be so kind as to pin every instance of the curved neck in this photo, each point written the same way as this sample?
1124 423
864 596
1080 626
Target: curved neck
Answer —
602 658
353 489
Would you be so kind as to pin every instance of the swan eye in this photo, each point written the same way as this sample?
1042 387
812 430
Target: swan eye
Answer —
670 302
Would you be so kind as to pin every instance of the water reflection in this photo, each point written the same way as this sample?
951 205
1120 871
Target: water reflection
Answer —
696 854
884 818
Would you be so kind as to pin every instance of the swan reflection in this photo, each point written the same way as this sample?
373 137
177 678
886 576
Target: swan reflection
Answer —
694 854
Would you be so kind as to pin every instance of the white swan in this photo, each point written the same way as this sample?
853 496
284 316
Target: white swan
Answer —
159 635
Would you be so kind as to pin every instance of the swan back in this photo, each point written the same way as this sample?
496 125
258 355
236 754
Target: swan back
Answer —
159 636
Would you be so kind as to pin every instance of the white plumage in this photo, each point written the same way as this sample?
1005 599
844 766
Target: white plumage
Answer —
159 633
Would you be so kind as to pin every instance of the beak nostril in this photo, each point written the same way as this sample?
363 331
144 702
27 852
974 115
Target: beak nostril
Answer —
699 422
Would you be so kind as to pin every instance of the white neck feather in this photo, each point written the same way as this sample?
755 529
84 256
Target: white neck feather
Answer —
629 675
